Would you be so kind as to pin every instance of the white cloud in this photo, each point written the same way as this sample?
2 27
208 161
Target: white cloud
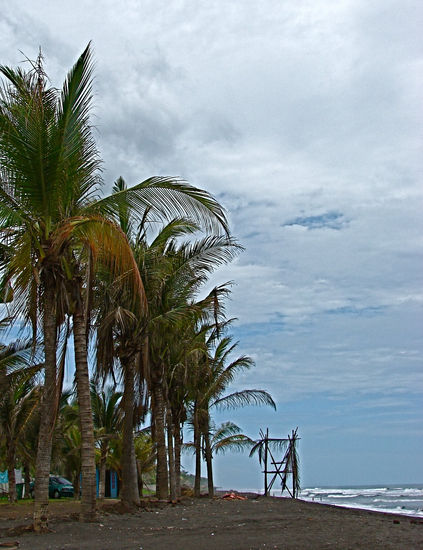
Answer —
283 111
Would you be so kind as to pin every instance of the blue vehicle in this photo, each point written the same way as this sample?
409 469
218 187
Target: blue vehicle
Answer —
57 487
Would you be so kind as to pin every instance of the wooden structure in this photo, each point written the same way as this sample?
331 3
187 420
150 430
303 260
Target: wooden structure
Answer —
285 469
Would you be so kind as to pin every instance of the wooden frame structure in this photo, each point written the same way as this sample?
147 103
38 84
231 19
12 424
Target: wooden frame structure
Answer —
267 447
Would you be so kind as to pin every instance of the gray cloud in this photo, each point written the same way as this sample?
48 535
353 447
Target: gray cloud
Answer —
303 119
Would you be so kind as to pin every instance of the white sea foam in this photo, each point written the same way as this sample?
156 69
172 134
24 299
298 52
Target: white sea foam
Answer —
406 500
398 500
353 495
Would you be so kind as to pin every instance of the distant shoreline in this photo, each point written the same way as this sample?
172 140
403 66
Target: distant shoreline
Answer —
406 500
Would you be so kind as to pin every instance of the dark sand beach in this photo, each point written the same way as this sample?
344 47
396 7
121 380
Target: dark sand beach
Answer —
257 522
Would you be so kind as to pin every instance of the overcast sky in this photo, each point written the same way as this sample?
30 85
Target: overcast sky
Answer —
304 119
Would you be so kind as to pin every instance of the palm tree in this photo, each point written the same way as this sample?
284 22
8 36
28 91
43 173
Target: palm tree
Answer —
228 437
47 155
214 375
174 307
19 402
145 457
223 438
130 335
54 230
108 416
66 452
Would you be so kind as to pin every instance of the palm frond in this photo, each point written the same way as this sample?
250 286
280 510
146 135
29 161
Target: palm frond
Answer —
171 198
244 398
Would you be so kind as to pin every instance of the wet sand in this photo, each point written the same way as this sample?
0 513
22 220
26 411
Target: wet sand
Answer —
215 524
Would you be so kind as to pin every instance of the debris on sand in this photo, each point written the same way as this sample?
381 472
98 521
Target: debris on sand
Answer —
233 496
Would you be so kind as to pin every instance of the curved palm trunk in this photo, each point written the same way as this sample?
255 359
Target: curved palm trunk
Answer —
171 455
129 493
47 411
159 434
197 446
88 510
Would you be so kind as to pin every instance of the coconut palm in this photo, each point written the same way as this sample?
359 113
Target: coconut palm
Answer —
145 456
228 437
108 416
19 403
125 332
225 437
54 229
215 373
176 310
48 163
187 346
70 453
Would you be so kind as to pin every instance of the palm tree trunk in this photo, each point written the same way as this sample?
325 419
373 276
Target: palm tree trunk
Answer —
178 446
47 410
171 456
209 460
102 480
140 481
27 479
10 458
159 433
88 510
76 485
129 492
197 446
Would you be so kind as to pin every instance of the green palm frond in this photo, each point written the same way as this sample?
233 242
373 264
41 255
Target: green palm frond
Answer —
275 445
244 398
171 198
235 443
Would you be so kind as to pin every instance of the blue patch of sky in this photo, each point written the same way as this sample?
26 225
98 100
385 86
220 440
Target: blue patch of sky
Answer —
343 440
370 311
331 220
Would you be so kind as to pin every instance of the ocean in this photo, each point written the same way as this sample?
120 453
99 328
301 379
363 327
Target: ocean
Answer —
395 499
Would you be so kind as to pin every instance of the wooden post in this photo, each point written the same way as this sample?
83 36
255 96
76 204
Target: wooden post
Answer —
294 477
265 461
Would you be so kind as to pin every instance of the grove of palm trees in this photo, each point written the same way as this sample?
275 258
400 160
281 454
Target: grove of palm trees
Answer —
115 287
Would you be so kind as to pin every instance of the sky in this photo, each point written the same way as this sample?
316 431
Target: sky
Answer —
304 119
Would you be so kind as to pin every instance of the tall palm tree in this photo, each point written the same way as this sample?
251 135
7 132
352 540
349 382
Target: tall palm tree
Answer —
173 307
48 163
216 371
131 335
53 229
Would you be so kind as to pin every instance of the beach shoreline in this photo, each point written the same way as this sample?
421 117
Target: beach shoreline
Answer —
257 522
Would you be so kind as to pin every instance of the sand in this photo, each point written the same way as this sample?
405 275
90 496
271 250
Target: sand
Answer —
215 524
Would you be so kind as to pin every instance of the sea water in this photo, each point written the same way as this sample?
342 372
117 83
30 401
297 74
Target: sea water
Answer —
395 499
